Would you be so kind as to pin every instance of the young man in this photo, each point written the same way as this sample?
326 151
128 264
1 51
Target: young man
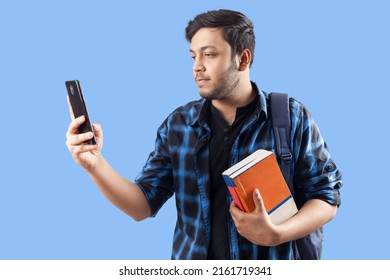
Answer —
198 141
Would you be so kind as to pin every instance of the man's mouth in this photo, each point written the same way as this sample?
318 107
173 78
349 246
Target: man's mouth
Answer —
200 81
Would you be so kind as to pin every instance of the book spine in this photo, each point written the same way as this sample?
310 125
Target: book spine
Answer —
232 190
245 197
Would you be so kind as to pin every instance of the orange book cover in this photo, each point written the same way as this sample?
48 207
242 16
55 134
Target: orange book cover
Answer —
260 170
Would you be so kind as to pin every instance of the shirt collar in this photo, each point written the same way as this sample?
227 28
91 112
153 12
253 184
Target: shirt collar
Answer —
200 117
261 100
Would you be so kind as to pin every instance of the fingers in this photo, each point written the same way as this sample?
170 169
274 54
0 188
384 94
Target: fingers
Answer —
72 131
239 215
97 130
76 146
79 139
235 212
258 201
234 209
84 154
76 151
74 139
74 125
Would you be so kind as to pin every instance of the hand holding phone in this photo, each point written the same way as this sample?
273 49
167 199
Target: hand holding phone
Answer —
79 108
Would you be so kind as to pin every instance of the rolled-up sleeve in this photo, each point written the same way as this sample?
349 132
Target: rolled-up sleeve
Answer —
316 175
155 178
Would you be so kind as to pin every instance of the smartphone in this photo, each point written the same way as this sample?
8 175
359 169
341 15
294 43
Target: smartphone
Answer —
79 108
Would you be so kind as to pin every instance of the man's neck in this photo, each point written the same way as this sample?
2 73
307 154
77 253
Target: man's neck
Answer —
241 97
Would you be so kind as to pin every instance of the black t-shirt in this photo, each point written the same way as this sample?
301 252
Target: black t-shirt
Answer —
222 139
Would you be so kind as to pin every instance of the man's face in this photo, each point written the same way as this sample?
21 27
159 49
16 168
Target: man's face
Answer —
215 73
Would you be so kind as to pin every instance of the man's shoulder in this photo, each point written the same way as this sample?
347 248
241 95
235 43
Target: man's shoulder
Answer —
186 114
195 105
298 111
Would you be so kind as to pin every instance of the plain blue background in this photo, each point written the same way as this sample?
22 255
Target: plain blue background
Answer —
134 66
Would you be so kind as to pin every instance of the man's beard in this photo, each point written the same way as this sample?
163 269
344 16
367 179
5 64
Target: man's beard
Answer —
227 83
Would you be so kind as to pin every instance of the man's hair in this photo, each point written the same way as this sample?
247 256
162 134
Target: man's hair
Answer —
237 29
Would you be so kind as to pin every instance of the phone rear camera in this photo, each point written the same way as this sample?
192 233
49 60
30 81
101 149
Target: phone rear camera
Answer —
71 90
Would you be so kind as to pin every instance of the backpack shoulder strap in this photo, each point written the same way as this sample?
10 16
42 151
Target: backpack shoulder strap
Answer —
280 113
310 246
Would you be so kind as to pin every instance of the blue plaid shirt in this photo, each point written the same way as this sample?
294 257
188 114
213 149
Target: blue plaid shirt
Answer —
179 165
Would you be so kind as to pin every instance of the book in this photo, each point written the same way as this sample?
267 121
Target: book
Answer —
261 171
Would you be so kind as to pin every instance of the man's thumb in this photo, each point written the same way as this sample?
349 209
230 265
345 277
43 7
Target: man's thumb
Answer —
258 201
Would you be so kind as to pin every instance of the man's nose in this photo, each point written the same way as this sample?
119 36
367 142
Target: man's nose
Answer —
198 66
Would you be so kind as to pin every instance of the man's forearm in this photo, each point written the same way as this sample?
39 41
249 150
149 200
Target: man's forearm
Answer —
123 193
314 214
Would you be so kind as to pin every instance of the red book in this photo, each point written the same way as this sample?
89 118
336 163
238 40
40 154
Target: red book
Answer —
260 170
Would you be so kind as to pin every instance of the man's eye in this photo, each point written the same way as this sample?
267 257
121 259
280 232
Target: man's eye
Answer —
209 55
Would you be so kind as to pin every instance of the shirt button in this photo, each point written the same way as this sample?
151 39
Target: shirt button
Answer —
226 130
330 167
225 138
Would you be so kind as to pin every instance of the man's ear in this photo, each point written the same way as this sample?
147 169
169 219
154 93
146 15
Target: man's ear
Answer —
245 60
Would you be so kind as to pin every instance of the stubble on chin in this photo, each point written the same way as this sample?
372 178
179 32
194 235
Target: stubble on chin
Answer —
219 92
226 85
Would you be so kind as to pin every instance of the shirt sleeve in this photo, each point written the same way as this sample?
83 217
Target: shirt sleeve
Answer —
155 178
316 175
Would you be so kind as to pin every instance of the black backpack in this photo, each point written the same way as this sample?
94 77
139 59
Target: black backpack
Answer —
310 246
